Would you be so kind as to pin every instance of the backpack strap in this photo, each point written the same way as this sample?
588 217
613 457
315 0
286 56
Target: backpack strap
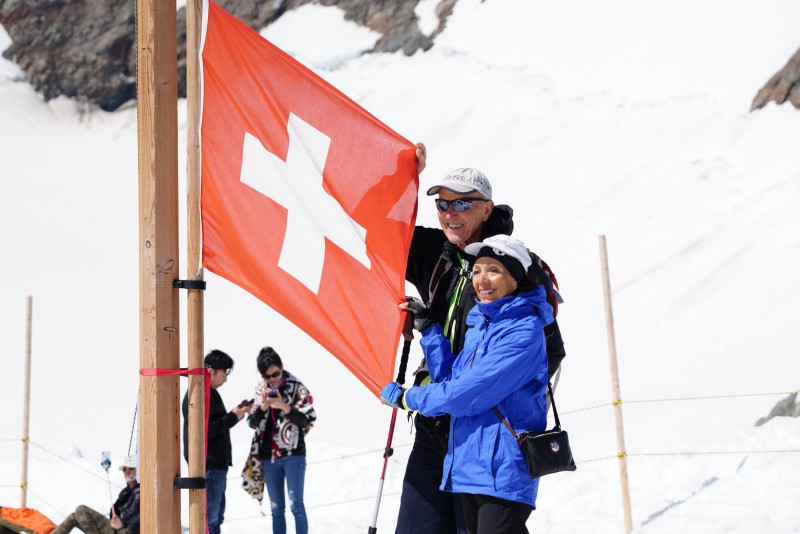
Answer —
544 275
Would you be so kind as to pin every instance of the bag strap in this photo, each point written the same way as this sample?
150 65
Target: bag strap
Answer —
552 402
503 419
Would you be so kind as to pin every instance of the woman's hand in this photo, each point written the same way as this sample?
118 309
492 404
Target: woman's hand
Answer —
276 402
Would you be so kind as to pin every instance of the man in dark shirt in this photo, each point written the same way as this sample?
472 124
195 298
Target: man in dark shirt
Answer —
218 450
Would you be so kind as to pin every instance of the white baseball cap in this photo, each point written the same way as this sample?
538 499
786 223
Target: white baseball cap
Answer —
509 251
465 180
130 461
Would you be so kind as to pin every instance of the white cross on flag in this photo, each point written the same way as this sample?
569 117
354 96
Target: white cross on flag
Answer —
308 202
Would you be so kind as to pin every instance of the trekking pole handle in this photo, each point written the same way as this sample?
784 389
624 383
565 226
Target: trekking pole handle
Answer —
401 372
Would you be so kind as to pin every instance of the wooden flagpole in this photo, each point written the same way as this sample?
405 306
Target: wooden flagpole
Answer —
195 326
159 343
615 390
26 402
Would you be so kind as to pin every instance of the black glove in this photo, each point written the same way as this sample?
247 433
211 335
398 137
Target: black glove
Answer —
422 315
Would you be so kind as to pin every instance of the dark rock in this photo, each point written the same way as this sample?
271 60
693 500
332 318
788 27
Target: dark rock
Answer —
783 87
86 49
788 407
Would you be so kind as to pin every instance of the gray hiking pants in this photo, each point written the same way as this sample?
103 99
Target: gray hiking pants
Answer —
89 521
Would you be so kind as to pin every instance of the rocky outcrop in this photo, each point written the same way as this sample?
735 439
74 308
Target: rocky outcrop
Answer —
788 407
783 87
86 49
82 48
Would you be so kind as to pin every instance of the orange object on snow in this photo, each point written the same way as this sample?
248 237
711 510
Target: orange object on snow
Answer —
27 518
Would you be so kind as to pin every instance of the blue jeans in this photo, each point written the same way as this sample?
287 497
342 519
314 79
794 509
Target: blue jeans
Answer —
215 498
292 469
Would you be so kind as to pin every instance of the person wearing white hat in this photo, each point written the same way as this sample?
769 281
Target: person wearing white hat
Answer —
123 517
439 267
503 364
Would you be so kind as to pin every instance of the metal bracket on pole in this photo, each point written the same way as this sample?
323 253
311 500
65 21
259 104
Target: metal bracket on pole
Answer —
189 284
190 483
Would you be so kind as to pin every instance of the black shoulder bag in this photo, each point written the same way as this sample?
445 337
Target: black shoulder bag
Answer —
545 452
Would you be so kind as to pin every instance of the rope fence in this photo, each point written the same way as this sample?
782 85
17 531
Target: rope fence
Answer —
676 399
380 451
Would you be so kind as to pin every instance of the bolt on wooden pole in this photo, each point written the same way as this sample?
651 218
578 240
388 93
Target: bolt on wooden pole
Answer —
159 341
26 402
615 389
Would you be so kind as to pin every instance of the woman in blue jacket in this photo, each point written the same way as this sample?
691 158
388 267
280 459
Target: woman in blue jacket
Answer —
503 364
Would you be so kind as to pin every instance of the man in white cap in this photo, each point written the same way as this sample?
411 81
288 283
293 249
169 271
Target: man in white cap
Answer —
123 517
439 267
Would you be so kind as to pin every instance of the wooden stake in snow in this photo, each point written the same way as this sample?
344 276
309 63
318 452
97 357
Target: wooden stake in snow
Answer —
26 402
615 391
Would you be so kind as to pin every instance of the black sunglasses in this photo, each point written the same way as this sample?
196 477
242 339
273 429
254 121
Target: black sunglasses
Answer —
459 204
276 374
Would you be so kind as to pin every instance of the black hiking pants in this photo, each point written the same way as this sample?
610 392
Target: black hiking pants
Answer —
423 508
489 515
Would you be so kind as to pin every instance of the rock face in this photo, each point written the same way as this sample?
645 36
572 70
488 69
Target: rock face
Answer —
783 87
86 49
82 48
788 407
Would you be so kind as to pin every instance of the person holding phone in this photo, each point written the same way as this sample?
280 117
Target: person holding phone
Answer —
285 414
218 448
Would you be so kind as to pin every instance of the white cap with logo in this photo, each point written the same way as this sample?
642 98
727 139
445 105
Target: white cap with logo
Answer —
465 180
503 245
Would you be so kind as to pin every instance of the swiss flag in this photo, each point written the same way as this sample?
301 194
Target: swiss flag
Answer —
308 202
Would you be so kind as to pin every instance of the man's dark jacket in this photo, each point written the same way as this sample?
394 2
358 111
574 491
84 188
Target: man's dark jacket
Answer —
127 508
220 421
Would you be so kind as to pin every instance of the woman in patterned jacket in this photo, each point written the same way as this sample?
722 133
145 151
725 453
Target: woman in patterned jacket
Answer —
283 417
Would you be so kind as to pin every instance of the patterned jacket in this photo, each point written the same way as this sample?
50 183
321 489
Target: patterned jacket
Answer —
278 434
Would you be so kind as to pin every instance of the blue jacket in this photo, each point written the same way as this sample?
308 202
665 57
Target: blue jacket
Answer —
504 364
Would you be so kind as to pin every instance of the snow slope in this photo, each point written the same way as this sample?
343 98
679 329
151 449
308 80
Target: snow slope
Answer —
625 119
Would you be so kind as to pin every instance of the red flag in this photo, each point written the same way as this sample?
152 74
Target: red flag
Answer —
308 202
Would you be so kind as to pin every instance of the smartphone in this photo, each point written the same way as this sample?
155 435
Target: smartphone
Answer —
246 402
272 393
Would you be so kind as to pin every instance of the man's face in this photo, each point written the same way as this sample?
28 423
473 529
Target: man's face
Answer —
219 377
463 228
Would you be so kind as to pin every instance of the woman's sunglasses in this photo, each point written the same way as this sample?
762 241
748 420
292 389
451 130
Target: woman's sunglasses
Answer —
276 374
459 204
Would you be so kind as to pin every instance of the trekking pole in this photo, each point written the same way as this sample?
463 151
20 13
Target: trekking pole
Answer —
388 451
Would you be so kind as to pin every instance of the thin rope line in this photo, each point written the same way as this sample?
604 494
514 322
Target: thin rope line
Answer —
133 425
72 463
685 453
673 399
323 505
45 502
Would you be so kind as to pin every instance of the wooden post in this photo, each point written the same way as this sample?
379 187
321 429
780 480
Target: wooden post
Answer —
159 343
615 391
26 402
196 392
